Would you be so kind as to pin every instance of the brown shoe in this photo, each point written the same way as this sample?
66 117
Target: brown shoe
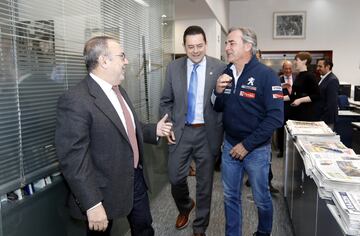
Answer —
183 218
199 234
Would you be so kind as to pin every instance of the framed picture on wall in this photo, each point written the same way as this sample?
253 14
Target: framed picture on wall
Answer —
289 25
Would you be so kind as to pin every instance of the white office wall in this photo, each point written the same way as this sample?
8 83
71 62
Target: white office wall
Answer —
212 30
221 11
330 25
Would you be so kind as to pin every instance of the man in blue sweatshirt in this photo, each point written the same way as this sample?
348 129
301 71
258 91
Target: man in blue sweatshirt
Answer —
250 96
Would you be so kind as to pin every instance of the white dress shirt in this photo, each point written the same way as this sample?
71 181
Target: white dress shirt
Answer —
111 95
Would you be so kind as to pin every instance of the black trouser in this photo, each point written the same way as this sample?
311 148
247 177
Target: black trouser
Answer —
280 139
270 171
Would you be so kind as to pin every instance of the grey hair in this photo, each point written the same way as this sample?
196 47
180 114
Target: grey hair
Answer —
93 49
248 36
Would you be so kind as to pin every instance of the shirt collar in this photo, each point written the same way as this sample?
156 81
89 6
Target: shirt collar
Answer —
191 64
324 76
102 83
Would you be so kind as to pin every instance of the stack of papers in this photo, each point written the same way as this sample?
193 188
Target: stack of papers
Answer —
348 210
334 168
318 128
332 165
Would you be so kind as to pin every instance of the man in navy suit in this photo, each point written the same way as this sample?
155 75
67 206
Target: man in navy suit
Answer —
327 106
99 142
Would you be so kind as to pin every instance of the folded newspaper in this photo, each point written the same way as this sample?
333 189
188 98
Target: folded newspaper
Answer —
348 207
317 128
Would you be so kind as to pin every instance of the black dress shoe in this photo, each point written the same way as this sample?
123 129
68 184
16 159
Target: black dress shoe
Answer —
260 234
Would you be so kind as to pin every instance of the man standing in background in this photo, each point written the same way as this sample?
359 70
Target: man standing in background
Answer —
197 132
327 106
251 99
286 80
99 143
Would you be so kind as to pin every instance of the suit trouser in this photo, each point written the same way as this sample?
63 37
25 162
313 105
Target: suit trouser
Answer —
193 144
140 219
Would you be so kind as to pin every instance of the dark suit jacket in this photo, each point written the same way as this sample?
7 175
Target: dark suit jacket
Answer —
94 151
174 100
286 92
327 106
305 85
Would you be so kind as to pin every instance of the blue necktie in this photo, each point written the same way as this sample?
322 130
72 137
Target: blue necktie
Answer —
190 117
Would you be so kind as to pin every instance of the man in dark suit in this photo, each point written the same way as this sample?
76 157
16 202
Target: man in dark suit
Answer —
198 131
99 142
286 79
327 106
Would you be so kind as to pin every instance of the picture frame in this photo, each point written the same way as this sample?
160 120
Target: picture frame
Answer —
289 25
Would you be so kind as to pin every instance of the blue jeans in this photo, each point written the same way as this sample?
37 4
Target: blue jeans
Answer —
256 164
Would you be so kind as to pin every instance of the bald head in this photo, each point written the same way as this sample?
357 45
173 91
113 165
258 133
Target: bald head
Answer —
287 68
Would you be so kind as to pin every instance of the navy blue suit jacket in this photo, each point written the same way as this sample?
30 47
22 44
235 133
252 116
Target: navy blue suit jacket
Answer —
327 106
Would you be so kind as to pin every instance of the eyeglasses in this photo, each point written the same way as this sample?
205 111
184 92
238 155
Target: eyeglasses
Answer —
122 56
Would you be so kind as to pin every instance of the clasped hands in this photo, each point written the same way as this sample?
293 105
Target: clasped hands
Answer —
238 152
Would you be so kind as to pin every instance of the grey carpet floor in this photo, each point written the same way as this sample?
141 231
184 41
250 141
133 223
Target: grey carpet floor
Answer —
164 211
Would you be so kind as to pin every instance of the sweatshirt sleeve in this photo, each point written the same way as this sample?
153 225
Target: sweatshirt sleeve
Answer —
274 113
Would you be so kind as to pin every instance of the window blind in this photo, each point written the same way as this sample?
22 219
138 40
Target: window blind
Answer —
41 45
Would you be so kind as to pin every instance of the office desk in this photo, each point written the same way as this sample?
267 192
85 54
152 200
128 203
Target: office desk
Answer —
354 104
343 125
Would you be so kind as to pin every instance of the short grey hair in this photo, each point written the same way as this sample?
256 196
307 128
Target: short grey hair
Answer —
249 36
94 48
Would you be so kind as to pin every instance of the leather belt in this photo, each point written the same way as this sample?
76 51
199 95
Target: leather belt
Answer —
195 125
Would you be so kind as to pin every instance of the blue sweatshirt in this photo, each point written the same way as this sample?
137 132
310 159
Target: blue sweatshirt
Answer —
254 108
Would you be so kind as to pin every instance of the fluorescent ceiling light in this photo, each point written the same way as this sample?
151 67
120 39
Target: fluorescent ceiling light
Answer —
142 3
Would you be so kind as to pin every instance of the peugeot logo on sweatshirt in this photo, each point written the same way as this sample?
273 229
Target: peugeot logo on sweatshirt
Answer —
251 81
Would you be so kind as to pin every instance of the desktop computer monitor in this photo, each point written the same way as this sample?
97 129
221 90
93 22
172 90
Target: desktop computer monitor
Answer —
357 93
345 89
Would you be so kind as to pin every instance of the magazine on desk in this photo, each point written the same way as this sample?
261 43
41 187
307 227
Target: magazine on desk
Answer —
316 128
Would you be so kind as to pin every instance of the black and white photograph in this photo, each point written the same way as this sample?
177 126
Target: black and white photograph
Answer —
289 25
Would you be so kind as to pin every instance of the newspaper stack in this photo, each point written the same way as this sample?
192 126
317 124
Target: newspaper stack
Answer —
317 128
348 210
330 163
341 173
328 147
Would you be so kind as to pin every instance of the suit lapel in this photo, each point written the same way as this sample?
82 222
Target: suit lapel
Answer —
183 81
104 105
209 82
